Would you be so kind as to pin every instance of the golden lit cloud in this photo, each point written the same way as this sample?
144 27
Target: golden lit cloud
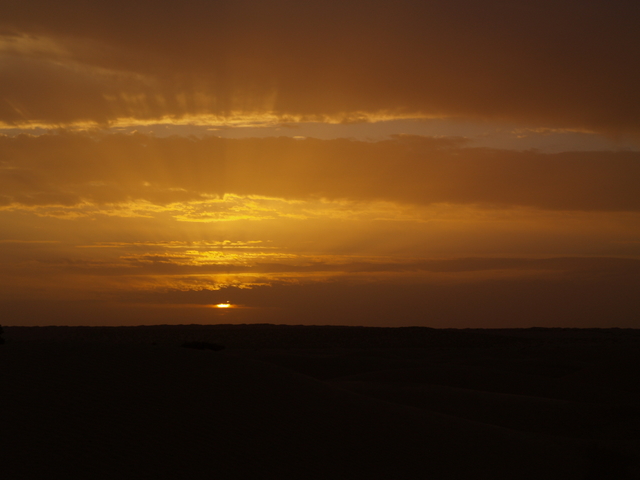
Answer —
200 179
542 65
413 162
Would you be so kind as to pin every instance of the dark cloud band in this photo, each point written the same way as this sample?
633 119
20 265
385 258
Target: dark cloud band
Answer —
69 169
562 63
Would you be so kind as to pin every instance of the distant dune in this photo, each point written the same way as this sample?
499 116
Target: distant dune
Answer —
291 402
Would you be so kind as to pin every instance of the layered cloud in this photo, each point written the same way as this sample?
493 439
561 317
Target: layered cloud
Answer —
465 292
553 64
98 227
145 174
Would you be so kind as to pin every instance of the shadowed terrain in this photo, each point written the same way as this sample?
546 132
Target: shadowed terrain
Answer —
319 402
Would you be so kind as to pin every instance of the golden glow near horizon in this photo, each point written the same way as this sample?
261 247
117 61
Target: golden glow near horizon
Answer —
356 185
142 224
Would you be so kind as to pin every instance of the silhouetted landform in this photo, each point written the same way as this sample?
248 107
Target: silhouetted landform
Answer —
321 336
203 346
1 339
320 402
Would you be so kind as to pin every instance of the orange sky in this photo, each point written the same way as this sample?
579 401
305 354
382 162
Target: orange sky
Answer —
449 163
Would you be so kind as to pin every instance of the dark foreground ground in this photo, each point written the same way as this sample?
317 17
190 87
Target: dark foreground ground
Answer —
296 402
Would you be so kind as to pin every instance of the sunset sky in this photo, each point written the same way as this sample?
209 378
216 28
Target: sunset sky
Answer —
439 163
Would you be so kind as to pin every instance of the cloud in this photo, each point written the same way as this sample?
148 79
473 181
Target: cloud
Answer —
549 64
564 292
215 179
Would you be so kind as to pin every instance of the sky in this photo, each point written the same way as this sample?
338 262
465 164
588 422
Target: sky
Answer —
459 163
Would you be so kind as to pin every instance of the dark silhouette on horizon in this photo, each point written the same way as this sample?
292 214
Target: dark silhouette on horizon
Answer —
203 346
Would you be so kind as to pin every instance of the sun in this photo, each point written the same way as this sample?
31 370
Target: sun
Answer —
223 305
